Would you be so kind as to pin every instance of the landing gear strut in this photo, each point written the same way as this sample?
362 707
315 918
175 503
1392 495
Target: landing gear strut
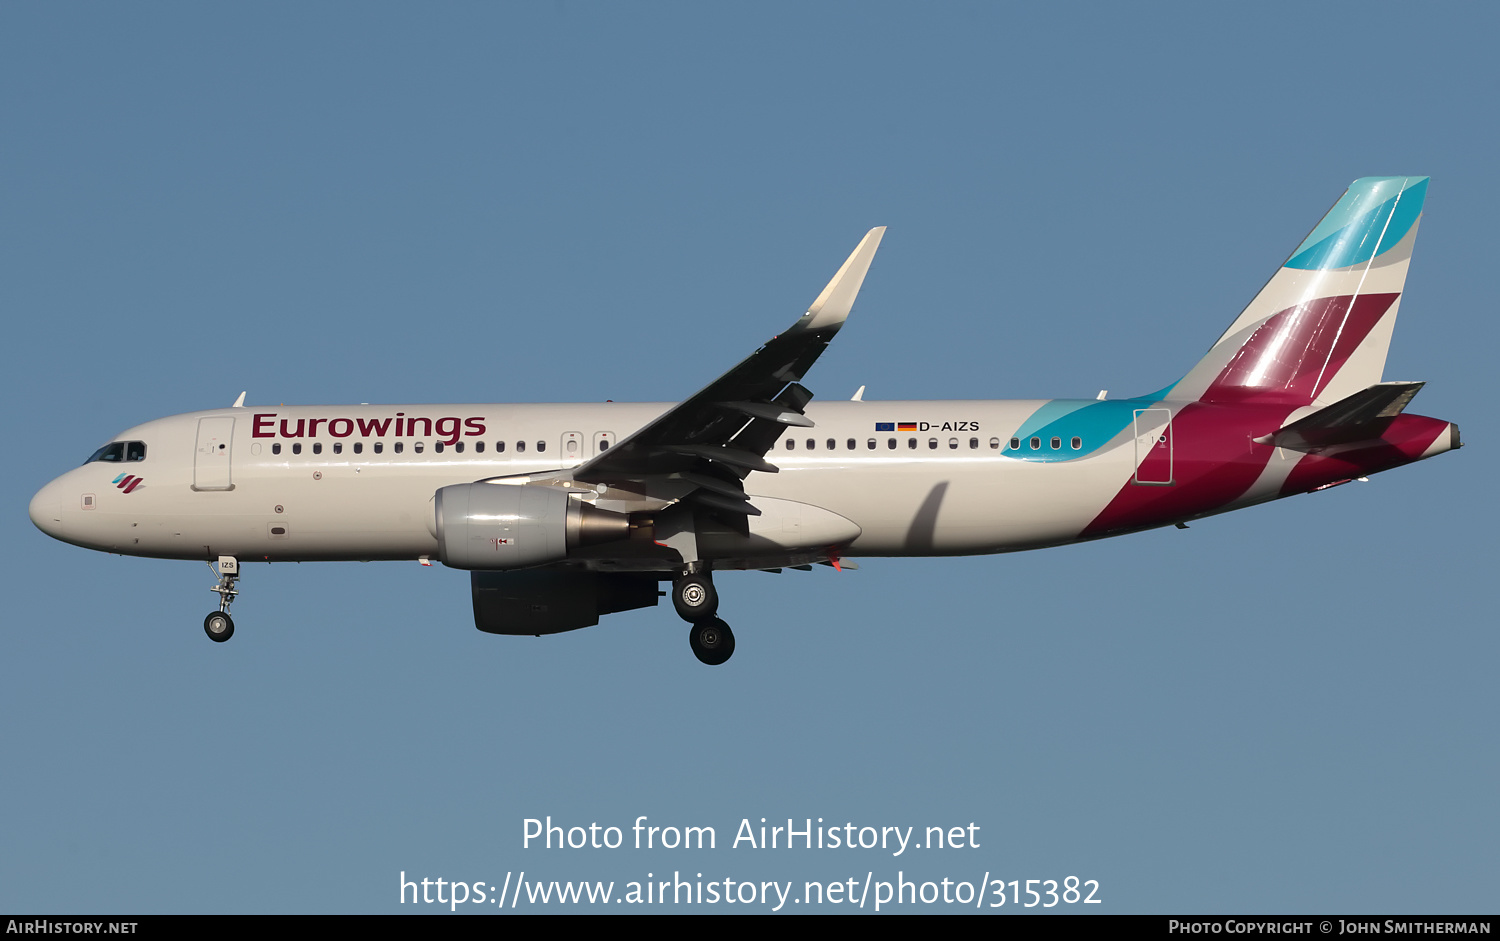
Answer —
696 601
219 626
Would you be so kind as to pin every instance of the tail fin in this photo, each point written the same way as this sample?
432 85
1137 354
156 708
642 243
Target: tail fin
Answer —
1319 330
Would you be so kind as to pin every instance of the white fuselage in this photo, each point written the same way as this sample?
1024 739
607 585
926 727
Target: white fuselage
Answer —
268 493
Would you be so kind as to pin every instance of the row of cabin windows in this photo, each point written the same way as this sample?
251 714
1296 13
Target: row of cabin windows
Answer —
872 444
1056 442
136 450
378 447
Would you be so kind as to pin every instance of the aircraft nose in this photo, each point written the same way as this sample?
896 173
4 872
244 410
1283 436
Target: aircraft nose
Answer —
46 509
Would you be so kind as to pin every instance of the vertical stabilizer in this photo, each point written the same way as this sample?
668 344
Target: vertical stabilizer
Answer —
1319 330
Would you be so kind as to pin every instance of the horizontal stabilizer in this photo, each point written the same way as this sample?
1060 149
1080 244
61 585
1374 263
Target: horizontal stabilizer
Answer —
1363 416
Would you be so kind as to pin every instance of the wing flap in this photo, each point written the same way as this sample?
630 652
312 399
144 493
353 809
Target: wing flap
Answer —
726 504
769 413
724 455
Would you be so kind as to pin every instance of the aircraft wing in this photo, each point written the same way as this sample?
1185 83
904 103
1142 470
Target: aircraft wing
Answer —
714 439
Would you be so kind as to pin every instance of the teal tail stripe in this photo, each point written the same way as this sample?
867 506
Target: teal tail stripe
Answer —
1093 422
1372 217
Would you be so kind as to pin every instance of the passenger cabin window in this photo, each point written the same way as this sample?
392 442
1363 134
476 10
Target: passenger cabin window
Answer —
1056 443
541 446
438 447
1015 444
416 447
338 447
851 444
359 447
499 447
870 444
890 443
398 447
520 446
276 448
317 447
994 444
379 446
911 443
459 447
812 443
832 443
973 444
1077 442
932 444
790 444
1036 444
953 444
297 447
479 447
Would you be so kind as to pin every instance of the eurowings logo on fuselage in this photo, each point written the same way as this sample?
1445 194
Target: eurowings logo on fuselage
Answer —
127 482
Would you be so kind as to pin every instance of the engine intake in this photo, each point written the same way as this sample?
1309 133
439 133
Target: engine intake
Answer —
492 527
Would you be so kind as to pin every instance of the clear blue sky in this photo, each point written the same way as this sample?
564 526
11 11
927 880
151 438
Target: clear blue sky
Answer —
1286 709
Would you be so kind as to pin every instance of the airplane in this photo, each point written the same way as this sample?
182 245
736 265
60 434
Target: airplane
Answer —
563 513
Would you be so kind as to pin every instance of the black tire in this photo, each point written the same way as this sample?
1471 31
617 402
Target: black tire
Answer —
712 641
694 598
219 626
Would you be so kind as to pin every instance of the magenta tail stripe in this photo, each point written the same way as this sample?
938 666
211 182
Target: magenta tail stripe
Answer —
1296 352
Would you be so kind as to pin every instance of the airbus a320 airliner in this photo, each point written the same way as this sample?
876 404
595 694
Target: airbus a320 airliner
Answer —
565 513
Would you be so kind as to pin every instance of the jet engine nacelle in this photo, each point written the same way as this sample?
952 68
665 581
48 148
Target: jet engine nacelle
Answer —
492 527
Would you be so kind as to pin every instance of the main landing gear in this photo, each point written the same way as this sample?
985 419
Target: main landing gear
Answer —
696 602
219 626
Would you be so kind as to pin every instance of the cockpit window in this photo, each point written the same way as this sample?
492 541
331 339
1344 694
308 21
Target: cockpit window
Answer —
113 453
118 451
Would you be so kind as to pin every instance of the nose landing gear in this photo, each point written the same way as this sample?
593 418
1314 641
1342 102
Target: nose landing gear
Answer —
219 626
696 601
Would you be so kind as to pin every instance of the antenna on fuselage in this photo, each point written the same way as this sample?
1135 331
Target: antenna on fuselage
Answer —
239 402
858 396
